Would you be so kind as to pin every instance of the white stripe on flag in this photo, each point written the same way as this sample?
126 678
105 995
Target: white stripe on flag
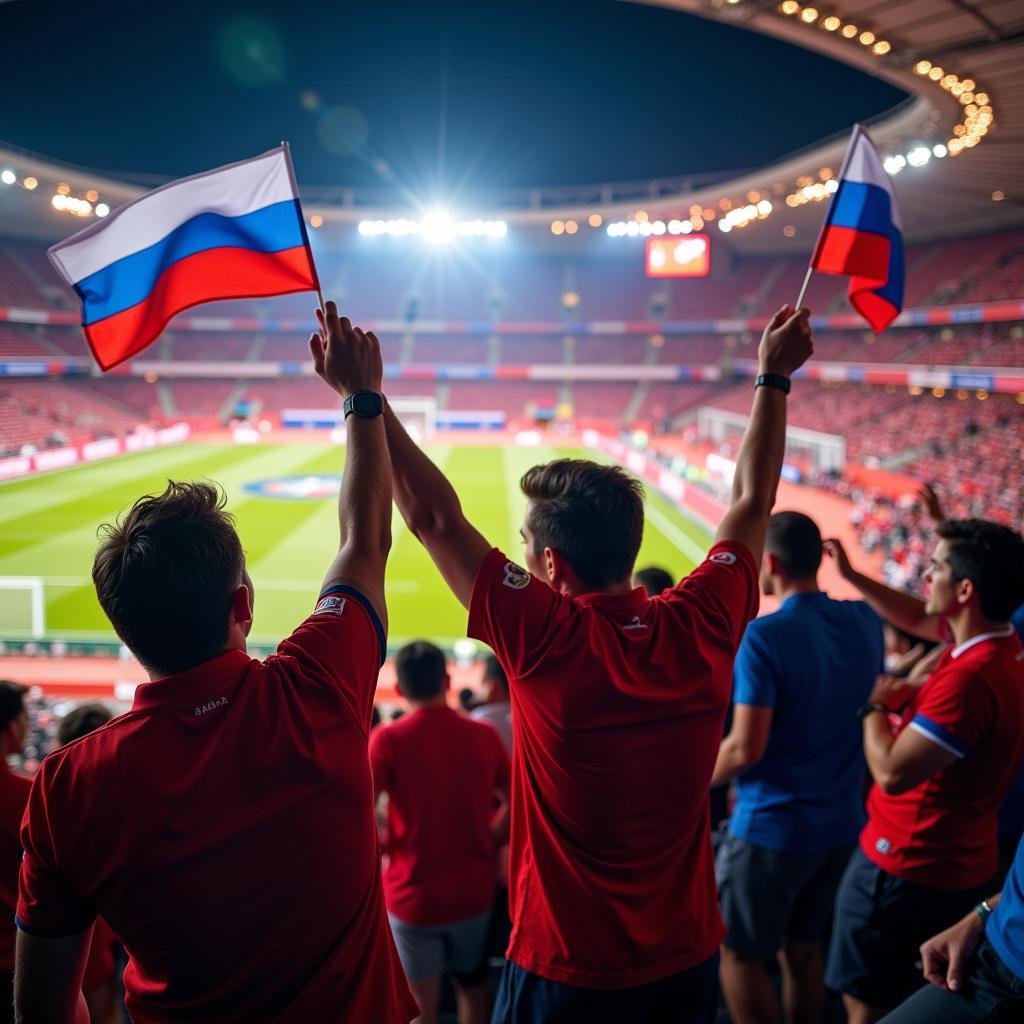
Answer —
229 191
865 166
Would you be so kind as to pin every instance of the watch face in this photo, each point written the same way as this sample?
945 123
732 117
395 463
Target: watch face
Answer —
367 403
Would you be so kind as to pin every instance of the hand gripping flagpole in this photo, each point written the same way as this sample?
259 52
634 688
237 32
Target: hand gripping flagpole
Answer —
857 129
302 222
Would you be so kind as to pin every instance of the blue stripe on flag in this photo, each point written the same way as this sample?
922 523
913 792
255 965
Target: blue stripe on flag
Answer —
954 744
128 281
864 208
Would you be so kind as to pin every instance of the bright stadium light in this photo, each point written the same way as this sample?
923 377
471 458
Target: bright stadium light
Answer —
102 209
438 228
939 150
7 176
919 156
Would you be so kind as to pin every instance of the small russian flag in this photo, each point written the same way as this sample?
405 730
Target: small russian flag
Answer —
231 233
863 235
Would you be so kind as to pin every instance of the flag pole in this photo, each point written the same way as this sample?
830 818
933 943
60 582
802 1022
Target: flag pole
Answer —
302 224
857 129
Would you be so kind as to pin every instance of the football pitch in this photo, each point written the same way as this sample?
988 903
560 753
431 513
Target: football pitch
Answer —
283 499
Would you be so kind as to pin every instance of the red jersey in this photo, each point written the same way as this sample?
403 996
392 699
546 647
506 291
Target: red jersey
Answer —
14 789
618 704
440 771
944 832
224 828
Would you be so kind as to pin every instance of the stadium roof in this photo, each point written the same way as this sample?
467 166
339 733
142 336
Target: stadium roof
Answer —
961 62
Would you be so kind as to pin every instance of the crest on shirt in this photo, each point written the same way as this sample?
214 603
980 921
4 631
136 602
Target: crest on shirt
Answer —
516 576
722 558
883 845
635 624
332 604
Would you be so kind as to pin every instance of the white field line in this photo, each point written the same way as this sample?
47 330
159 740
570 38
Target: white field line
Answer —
683 541
308 585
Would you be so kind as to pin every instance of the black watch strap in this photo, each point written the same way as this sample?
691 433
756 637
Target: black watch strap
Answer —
869 709
364 404
773 380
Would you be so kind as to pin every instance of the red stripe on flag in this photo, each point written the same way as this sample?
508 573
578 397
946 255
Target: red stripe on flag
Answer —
208 276
856 253
878 312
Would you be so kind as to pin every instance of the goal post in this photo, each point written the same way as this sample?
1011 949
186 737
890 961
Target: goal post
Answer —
417 415
22 607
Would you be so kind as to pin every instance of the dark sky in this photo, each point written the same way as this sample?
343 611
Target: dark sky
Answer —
524 92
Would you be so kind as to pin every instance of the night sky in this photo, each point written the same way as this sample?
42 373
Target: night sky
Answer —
427 96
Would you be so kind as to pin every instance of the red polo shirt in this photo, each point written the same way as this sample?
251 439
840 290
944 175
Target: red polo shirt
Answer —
224 828
14 789
440 771
944 832
618 705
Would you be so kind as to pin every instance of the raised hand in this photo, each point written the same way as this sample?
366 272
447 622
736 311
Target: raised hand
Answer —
833 547
345 357
786 343
927 496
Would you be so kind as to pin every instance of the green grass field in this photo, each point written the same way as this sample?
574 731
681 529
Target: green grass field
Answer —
48 529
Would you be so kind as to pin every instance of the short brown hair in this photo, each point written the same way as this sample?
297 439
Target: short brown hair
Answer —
12 701
421 669
592 515
82 720
991 556
795 540
166 573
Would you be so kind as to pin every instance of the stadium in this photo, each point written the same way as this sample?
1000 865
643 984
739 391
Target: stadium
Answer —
617 321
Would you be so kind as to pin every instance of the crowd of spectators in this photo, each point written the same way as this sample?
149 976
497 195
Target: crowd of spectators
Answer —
204 830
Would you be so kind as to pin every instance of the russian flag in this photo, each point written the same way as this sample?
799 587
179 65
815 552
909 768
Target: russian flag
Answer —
863 235
231 233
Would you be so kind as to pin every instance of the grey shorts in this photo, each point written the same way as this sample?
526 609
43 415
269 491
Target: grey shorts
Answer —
768 896
459 948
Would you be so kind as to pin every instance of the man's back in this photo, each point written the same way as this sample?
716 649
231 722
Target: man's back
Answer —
813 663
14 789
224 829
619 703
441 772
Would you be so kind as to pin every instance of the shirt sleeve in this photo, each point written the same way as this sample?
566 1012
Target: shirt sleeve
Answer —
514 613
956 710
48 904
754 673
343 644
722 591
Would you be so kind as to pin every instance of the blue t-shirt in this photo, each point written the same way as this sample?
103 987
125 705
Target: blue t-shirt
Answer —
1017 621
1005 928
813 662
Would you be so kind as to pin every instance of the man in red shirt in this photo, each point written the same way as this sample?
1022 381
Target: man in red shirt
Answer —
442 773
14 788
224 827
929 851
618 702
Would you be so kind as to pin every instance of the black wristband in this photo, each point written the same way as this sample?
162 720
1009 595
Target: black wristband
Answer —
773 380
869 709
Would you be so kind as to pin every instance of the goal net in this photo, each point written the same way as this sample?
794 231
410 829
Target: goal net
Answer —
22 608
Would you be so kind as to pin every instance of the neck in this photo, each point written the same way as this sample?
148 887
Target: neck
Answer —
969 623
433 702
577 589
783 589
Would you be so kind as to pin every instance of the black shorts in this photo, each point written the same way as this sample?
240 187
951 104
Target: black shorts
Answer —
880 923
689 997
768 897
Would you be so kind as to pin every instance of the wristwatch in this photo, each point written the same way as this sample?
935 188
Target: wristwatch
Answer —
773 380
365 404
869 708
983 910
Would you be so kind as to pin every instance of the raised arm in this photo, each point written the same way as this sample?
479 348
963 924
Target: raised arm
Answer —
895 606
785 346
349 360
432 511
